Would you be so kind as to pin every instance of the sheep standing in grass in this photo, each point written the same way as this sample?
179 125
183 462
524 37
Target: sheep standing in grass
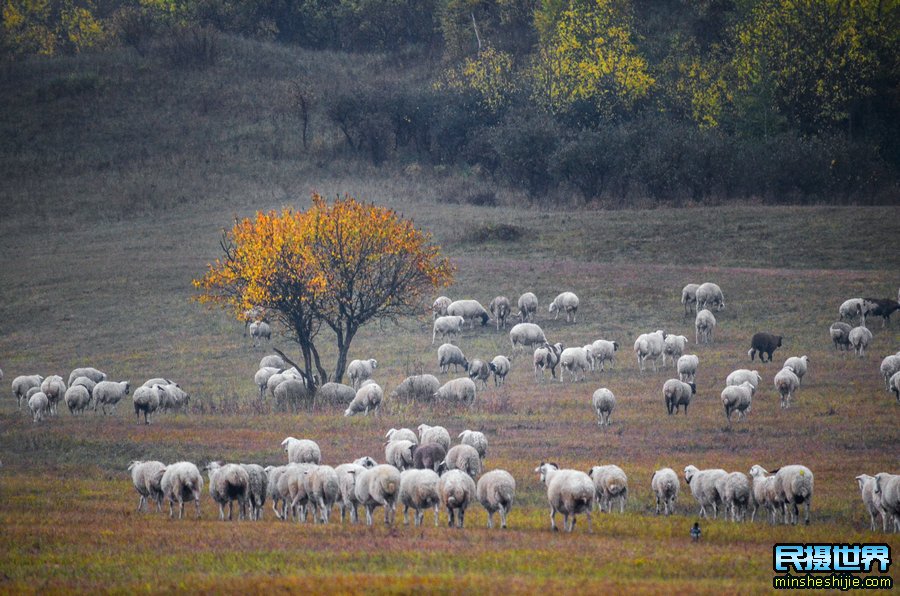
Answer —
278 490
379 487
401 434
335 394
737 398
464 457
889 367
611 486
272 361
429 456
146 401
173 397
301 451
77 398
850 309
500 309
260 330
665 486
323 490
399 454
54 388
368 397
650 346
457 390
229 483
457 491
703 487
867 492
479 370
709 295
261 378
290 393
259 485
678 394
470 310
22 384
799 365
434 434
840 335
84 382
764 343
880 307
704 326
439 307
347 475
91 373
689 298
547 356
496 491
526 335
445 327
569 492
604 403
419 492
743 375
894 385
764 493
499 368
887 493
361 370
568 302
109 393
787 383
476 439
673 347
687 368
574 360
794 484
182 481
528 305
417 388
604 351
147 478
39 406
449 354
860 338
736 494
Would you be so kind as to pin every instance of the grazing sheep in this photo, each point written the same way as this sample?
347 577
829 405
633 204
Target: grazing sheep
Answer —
54 388
703 487
91 373
470 310
399 454
295 478
604 351
889 367
323 490
710 295
799 365
449 354
278 490
457 390
880 307
737 398
787 383
840 335
347 475
704 326
180 481
499 368
146 400
873 505
84 382
860 338
528 305
260 330
335 393
302 451
156 381
764 343
464 457
361 370
173 397
850 309
894 384
678 394
673 347
604 403
500 309
736 495
479 370
568 302
743 375
887 494
457 491
496 491
610 485
261 379
428 456
476 439
569 492
401 434
22 384
547 356
665 486
794 484
419 491
147 477
445 327
434 434
439 307
689 298
290 393
687 368
279 378
259 485
526 335
764 493
229 483
110 393
417 388
77 399
39 406
256 313
368 397
379 487
649 346
272 361
574 360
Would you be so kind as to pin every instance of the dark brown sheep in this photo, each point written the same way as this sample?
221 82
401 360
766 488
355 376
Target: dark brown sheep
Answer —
764 343
428 455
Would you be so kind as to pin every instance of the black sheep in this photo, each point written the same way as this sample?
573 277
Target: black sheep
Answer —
880 308
428 455
764 343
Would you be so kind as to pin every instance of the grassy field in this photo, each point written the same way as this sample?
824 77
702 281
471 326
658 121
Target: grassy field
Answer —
114 200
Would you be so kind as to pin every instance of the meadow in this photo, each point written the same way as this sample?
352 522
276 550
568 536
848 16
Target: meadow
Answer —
114 200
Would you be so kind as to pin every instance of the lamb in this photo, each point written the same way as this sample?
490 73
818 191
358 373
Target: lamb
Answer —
368 397
867 492
457 491
703 487
146 400
402 434
743 375
737 398
687 368
470 310
39 406
229 483
361 370
665 486
604 403
335 393
787 383
764 343
887 494
476 439
22 384
302 451
180 481
464 457
260 330
479 370
500 309
704 326
434 434
419 491
860 338
399 454
764 493
889 367
461 390
496 491
840 335
417 388
290 393
379 487
568 302
147 477
449 354
446 326
545 357
794 484
77 399
92 373
323 490
499 368
850 308
610 485
439 307
574 360
673 347
678 394
689 298
429 456
604 351
736 494
569 492
110 393
799 365
649 346
709 294
54 388
894 384
526 335
528 305
259 485
880 307
272 361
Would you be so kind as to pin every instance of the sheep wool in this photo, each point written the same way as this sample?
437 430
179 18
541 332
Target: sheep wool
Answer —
496 491
665 486
569 492
419 492
457 491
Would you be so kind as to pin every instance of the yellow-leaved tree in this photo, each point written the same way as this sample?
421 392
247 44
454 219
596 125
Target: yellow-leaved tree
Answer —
340 265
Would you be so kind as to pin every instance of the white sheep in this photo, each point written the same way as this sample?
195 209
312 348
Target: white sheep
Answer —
850 309
479 370
301 451
710 295
417 388
446 326
528 305
568 302
794 484
611 485
84 382
860 338
649 346
347 475
77 398
867 492
399 453
569 492
54 388
401 434
764 493
799 365
272 361
736 494
457 491
91 373
147 478
499 368
889 367
476 439
173 397
361 370
439 307
496 491
673 347
229 483
574 360
434 434
470 310
146 400
275 490
335 393
290 393
787 383
524 335
260 330
379 487
547 356
840 335
678 394
259 485
894 384
295 478
743 375
463 457
665 486
419 491
737 398
181 481
457 390
703 487
604 402
39 406
887 493
604 351
369 397
500 309
687 368
323 490
261 378
689 298
110 393
22 384
449 354
704 325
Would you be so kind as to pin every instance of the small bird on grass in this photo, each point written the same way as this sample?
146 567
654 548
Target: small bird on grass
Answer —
695 532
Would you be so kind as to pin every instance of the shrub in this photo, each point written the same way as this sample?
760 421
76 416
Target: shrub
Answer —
523 144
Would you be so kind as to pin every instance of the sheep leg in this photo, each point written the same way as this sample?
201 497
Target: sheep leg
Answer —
141 504
553 520
437 509
181 508
461 518
450 517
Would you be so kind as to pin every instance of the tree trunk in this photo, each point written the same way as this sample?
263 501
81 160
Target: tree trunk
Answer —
344 340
